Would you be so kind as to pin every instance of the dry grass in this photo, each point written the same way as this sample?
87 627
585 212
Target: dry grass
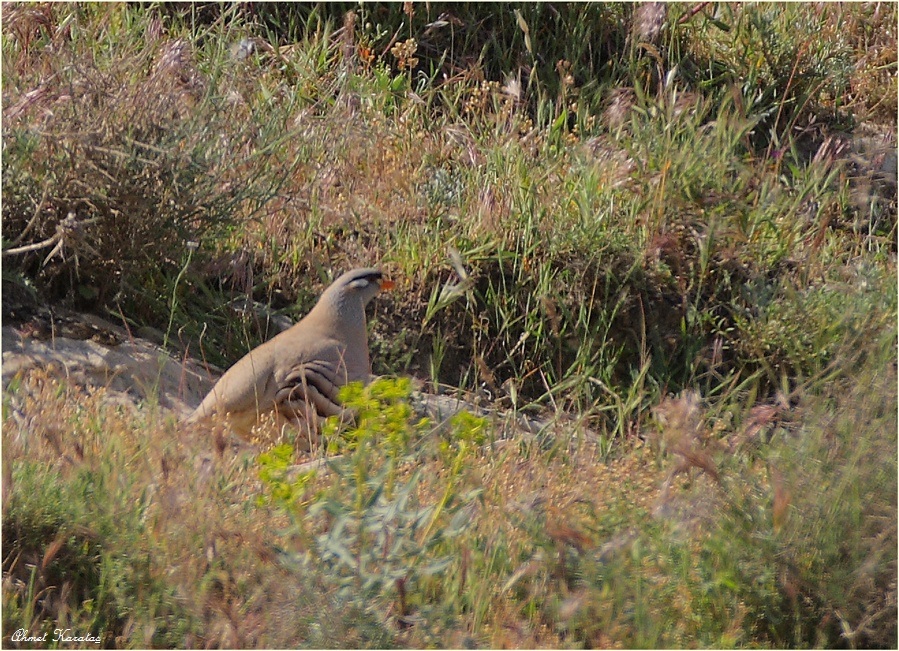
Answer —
559 546
665 235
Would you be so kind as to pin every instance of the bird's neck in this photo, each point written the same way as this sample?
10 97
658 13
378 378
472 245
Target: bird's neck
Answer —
343 316
346 320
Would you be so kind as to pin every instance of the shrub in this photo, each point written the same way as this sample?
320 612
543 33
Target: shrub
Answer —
371 532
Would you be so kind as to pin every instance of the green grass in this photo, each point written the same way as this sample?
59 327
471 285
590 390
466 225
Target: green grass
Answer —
656 229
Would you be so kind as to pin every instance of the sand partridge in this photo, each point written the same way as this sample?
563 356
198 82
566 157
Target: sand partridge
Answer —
298 373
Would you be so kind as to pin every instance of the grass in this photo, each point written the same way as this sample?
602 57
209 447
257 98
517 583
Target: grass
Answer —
656 227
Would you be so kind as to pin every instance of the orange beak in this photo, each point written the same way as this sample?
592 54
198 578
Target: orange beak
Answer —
387 285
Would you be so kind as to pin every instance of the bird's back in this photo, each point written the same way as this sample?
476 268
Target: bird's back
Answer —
244 386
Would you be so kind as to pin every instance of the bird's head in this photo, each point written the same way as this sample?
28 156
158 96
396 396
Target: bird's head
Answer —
353 290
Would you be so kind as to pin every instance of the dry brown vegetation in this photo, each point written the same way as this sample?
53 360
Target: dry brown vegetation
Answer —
667 230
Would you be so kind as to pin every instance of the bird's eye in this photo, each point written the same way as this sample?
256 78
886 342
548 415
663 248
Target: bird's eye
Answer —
365 280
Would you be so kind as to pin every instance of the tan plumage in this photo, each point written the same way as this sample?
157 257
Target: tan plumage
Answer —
298 373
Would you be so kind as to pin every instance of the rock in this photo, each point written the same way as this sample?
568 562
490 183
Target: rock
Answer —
132 370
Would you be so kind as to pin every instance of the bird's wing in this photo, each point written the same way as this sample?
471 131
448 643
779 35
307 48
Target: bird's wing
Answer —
313 378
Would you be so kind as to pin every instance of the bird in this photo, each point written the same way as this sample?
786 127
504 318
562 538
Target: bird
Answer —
298 373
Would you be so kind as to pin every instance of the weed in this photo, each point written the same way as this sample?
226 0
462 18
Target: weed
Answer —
368 531
680 215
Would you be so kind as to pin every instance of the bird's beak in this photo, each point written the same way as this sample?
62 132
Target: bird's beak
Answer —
387 284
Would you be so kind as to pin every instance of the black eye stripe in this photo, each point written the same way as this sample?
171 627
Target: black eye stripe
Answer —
369 277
